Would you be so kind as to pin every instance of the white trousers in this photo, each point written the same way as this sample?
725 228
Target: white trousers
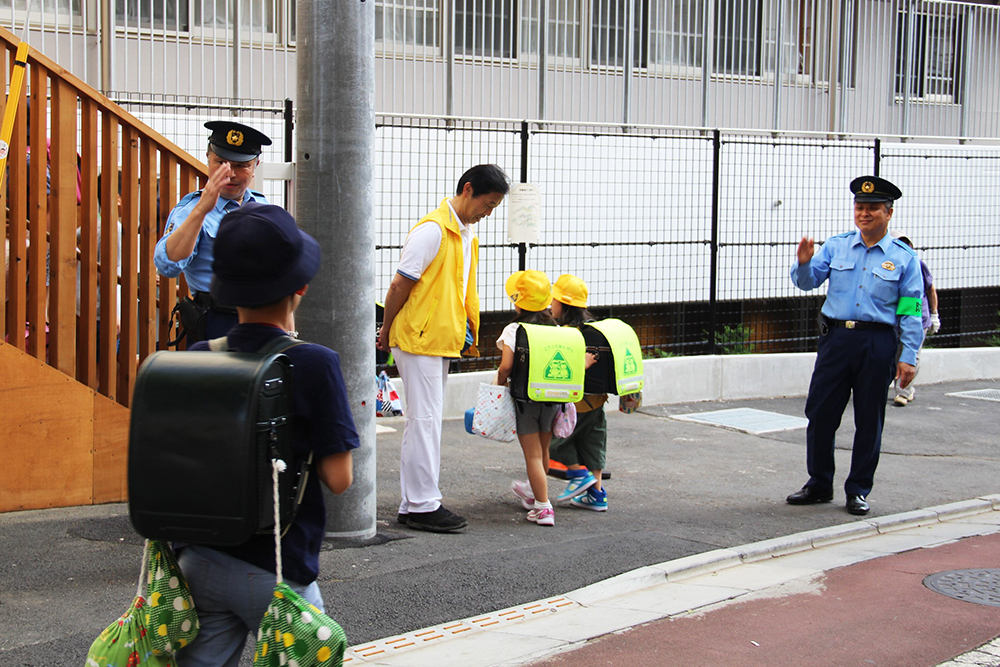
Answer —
424 380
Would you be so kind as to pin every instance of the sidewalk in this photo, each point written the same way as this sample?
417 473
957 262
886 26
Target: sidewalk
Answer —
681 493
848 595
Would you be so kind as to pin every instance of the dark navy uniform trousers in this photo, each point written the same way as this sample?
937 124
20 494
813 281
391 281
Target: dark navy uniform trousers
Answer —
849 361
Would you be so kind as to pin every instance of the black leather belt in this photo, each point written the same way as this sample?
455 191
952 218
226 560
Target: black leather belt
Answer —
856 324
205 299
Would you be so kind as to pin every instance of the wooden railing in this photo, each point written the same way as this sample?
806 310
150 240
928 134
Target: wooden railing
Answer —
62 231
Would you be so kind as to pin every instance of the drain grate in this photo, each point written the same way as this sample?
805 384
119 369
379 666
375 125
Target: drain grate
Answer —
747 420
981 394
981 586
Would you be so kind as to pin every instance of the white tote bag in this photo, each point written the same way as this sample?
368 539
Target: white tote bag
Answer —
494 416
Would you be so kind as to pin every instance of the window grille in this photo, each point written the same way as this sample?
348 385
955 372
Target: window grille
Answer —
930 39
563 26
413 22
485 28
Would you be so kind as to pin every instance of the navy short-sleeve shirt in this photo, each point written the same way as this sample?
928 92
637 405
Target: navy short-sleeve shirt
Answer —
323 423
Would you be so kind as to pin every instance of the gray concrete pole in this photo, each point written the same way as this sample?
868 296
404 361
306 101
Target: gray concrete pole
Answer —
334 202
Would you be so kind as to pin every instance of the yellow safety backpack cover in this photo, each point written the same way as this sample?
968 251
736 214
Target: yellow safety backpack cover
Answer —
549 364
618 369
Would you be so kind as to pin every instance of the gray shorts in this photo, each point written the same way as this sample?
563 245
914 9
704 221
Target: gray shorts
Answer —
534 417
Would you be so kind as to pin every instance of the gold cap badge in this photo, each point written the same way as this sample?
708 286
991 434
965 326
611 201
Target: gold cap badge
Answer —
868 187
888 266
234 138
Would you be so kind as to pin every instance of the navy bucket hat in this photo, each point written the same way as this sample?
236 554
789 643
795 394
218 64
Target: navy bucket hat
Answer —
261 256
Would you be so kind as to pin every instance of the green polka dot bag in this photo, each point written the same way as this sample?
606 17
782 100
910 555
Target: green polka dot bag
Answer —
170 614
293 632
125 643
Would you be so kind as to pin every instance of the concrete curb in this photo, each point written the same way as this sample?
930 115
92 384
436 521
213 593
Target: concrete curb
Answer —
585 610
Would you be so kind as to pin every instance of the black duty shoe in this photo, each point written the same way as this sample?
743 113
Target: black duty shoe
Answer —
402 518
808 495
857 505
438 521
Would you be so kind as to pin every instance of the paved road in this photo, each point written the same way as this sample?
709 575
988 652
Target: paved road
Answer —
677 489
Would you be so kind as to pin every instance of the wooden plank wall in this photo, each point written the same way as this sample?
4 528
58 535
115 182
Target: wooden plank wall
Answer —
88 190
63 444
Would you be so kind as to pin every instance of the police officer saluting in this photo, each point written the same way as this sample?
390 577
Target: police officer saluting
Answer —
186 245
875 291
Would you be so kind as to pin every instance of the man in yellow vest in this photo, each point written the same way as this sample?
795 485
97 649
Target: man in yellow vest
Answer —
432 316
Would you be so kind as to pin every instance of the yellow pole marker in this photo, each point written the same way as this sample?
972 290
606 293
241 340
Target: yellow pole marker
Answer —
16 83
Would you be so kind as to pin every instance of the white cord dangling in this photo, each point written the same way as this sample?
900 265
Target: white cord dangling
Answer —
141 591
277 465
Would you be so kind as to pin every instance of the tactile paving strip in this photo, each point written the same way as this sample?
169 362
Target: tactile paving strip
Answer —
747 420
393 645
981 394
981 586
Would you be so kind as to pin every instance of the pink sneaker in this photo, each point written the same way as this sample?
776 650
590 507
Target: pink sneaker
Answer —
543 517
524 493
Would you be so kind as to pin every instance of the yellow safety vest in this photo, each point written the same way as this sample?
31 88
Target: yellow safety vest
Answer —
556 363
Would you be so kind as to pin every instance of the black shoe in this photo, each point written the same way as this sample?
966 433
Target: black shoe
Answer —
438 521
402 518
857 505
808 495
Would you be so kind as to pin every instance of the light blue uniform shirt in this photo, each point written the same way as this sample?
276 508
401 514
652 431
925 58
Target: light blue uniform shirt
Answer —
197 266
866 284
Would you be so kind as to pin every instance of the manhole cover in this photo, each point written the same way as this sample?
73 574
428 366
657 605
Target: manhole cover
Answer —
981 394
747 420
979 586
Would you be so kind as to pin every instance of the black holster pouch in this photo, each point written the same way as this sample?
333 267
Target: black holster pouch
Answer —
193 318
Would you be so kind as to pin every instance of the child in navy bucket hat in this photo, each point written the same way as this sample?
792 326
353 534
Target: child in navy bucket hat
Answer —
261 256
263 264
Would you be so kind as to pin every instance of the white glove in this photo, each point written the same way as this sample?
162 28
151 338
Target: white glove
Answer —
935 323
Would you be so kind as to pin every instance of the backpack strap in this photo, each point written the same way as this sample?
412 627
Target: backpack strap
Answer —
274 346
277 345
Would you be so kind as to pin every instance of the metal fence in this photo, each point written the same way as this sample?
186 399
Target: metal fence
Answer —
690 235
901 67
182 119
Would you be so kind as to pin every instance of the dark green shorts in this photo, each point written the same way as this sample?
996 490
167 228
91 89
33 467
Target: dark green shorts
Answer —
588 445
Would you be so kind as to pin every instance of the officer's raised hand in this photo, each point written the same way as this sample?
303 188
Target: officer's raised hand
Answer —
218 179
181 243
806 249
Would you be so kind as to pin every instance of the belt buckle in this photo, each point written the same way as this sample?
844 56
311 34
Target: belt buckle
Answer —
849 324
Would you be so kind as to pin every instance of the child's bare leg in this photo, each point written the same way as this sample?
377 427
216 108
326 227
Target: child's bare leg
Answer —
536 460
597 476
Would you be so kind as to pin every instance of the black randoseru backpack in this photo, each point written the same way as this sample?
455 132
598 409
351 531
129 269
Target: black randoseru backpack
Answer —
204 428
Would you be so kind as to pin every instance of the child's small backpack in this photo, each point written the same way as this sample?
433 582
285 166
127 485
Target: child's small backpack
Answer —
618 368
204 428
549 364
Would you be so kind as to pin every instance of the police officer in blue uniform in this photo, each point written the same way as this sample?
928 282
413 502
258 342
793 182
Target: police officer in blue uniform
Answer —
875 290
186 245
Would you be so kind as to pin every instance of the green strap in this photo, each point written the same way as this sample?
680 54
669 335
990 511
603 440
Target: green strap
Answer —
909 305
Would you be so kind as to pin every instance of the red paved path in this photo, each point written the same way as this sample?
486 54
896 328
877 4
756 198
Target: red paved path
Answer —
873 613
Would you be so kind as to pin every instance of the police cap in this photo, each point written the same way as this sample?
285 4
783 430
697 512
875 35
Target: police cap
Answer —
874 189
235 141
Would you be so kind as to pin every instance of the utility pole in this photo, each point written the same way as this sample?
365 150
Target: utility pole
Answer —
334 202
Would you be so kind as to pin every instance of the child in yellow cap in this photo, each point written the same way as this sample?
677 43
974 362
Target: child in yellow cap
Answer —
584 452
531 294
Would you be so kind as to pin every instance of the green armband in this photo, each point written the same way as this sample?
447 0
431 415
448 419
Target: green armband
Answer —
908 305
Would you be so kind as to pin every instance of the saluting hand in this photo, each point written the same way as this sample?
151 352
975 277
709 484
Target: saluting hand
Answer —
217 179
806 249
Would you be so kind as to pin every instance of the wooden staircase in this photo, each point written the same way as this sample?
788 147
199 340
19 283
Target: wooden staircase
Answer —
63 405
